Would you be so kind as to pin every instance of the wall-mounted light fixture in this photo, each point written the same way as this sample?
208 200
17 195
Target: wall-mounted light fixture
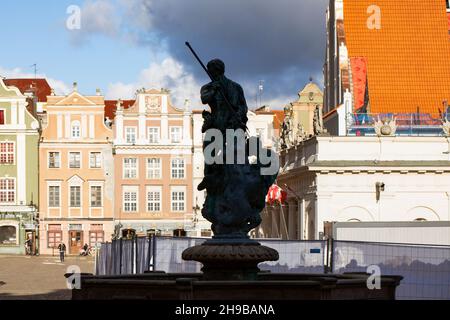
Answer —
379 186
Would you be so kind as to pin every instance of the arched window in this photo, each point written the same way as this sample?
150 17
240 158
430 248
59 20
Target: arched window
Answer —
76 130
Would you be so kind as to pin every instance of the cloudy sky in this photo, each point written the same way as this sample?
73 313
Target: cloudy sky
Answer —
123 45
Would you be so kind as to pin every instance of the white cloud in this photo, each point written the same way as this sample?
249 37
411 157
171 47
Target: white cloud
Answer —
172 75
97 17
59 86
169 74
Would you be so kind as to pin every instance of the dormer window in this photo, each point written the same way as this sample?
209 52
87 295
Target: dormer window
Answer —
76 130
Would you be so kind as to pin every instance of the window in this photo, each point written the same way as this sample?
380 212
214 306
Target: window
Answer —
154 199
8 235
96 196
7 191
95 160
76 130
54 160
153 135
54 193
130 168
154 168
75 196
178 169
7 153
130 197
54 235
96 236
75 160
178 204
130 134
175 134
2 117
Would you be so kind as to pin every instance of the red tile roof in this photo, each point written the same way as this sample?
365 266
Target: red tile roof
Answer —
408 59
40 86
111 106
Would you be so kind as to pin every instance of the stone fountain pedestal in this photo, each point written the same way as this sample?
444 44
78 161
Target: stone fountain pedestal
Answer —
229 260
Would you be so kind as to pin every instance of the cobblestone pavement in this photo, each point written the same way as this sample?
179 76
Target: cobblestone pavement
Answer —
38 278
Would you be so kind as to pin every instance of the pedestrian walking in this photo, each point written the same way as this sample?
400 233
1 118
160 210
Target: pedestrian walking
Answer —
28 246
62 251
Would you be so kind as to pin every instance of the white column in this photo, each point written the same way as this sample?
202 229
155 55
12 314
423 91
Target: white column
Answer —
22 107
301 219
92 126
292 222
14 113
67 126
119 127
142 129
164 129
21 170
164 104
59 126
84 132
187 128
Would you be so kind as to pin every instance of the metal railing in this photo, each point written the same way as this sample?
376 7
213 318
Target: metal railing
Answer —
425 268
410 124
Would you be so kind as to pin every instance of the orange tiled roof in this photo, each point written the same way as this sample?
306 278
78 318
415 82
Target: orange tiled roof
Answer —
408 58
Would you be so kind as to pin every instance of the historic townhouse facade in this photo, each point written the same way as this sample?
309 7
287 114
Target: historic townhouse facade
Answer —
19 195
76 173
153 166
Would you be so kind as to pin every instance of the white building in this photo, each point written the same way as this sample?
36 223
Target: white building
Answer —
360 179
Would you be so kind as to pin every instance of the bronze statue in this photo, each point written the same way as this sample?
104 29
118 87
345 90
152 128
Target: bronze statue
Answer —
236 191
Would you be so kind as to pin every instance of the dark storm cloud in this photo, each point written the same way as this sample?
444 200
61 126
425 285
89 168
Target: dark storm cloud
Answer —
280 41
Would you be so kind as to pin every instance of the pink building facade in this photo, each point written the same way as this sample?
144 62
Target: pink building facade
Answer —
153 166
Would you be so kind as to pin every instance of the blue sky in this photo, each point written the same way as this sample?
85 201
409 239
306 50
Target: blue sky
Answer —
127 44
37 33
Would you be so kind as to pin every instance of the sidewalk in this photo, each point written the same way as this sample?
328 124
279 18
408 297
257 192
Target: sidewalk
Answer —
38 278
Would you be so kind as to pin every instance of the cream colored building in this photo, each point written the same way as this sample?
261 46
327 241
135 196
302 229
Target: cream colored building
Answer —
76 174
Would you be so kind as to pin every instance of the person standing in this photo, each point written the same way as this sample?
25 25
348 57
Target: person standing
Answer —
62 251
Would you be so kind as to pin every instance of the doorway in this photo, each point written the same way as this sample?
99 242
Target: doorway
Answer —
75 242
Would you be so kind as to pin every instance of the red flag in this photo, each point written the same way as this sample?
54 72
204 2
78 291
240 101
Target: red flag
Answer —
276 194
